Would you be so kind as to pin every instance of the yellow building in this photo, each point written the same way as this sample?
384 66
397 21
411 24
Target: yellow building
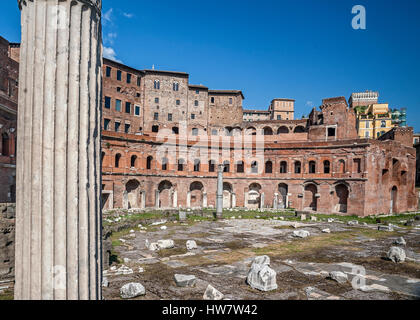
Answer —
373 120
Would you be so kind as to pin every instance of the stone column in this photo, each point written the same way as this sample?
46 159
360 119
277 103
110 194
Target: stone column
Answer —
276 201
143 199
58 218
204 199
175 199
233 200
262 200
125 200
219 194
189 199
157 199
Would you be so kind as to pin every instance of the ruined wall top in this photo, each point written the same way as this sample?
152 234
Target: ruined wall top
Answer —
97 4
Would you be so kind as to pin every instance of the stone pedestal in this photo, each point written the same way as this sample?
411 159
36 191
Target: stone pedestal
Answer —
58 216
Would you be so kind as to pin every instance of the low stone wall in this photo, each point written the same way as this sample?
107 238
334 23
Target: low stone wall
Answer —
7 240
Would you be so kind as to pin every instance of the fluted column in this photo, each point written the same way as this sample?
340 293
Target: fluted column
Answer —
58 214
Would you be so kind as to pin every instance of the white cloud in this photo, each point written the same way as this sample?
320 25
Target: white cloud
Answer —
309 104
110 37
128 15
110 53
107 16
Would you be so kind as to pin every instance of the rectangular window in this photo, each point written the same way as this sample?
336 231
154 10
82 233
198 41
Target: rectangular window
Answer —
108 72
192 116
127 128
169 116
106 124
212 100
156 116
108 102
230 100
128 78
127 107
137 111
197 91
117 126
196 103
119 75
138 81
178 102
279 117
156 100
118 105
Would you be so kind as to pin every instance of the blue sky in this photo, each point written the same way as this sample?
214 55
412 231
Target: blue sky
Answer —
300 49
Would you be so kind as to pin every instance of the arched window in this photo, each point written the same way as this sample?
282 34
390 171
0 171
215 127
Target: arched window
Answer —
298 167
240 167
197 165
327 166
267 131
268 167
157 84
195 132
254 167
133 161
5 144
228 131
164 164
312 167
299 129
181 164
383 124
149 163
283 167
212 166
357 166
117 160
341 166
226 166
283 130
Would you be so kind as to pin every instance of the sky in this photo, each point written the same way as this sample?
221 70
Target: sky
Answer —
305 50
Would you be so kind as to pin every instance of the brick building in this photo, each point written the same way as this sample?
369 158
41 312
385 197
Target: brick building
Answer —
163 138
9 72
317 164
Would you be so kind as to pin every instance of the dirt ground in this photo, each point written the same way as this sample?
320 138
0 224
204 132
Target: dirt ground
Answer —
226 249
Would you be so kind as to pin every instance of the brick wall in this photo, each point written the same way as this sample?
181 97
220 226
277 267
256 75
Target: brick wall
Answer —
7 240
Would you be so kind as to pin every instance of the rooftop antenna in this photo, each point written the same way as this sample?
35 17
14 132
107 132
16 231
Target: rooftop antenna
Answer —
153 67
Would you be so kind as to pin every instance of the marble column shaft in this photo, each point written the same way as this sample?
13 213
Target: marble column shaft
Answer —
219 194
58 212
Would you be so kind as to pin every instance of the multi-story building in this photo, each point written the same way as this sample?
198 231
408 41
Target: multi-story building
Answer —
416 138
256 115
164 138
9 73
373 120
282 109
363 99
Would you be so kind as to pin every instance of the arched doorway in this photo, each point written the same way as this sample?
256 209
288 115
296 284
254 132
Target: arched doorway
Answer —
394 199
227 195
283 191
310 200
196 194
132 188
165 194
342 193
254 197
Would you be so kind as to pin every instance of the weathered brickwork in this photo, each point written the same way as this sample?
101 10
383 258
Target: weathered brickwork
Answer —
7 240
9 73
172 135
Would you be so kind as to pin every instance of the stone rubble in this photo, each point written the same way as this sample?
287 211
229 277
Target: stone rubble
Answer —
132 290
338 276
191 245
301 234
182 280
212 293
396 255
261 276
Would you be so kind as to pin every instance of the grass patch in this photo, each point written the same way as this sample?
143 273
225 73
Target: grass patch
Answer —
7 295
163 253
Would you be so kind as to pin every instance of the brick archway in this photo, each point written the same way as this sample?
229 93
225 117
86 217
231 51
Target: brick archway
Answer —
342 193
309 198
